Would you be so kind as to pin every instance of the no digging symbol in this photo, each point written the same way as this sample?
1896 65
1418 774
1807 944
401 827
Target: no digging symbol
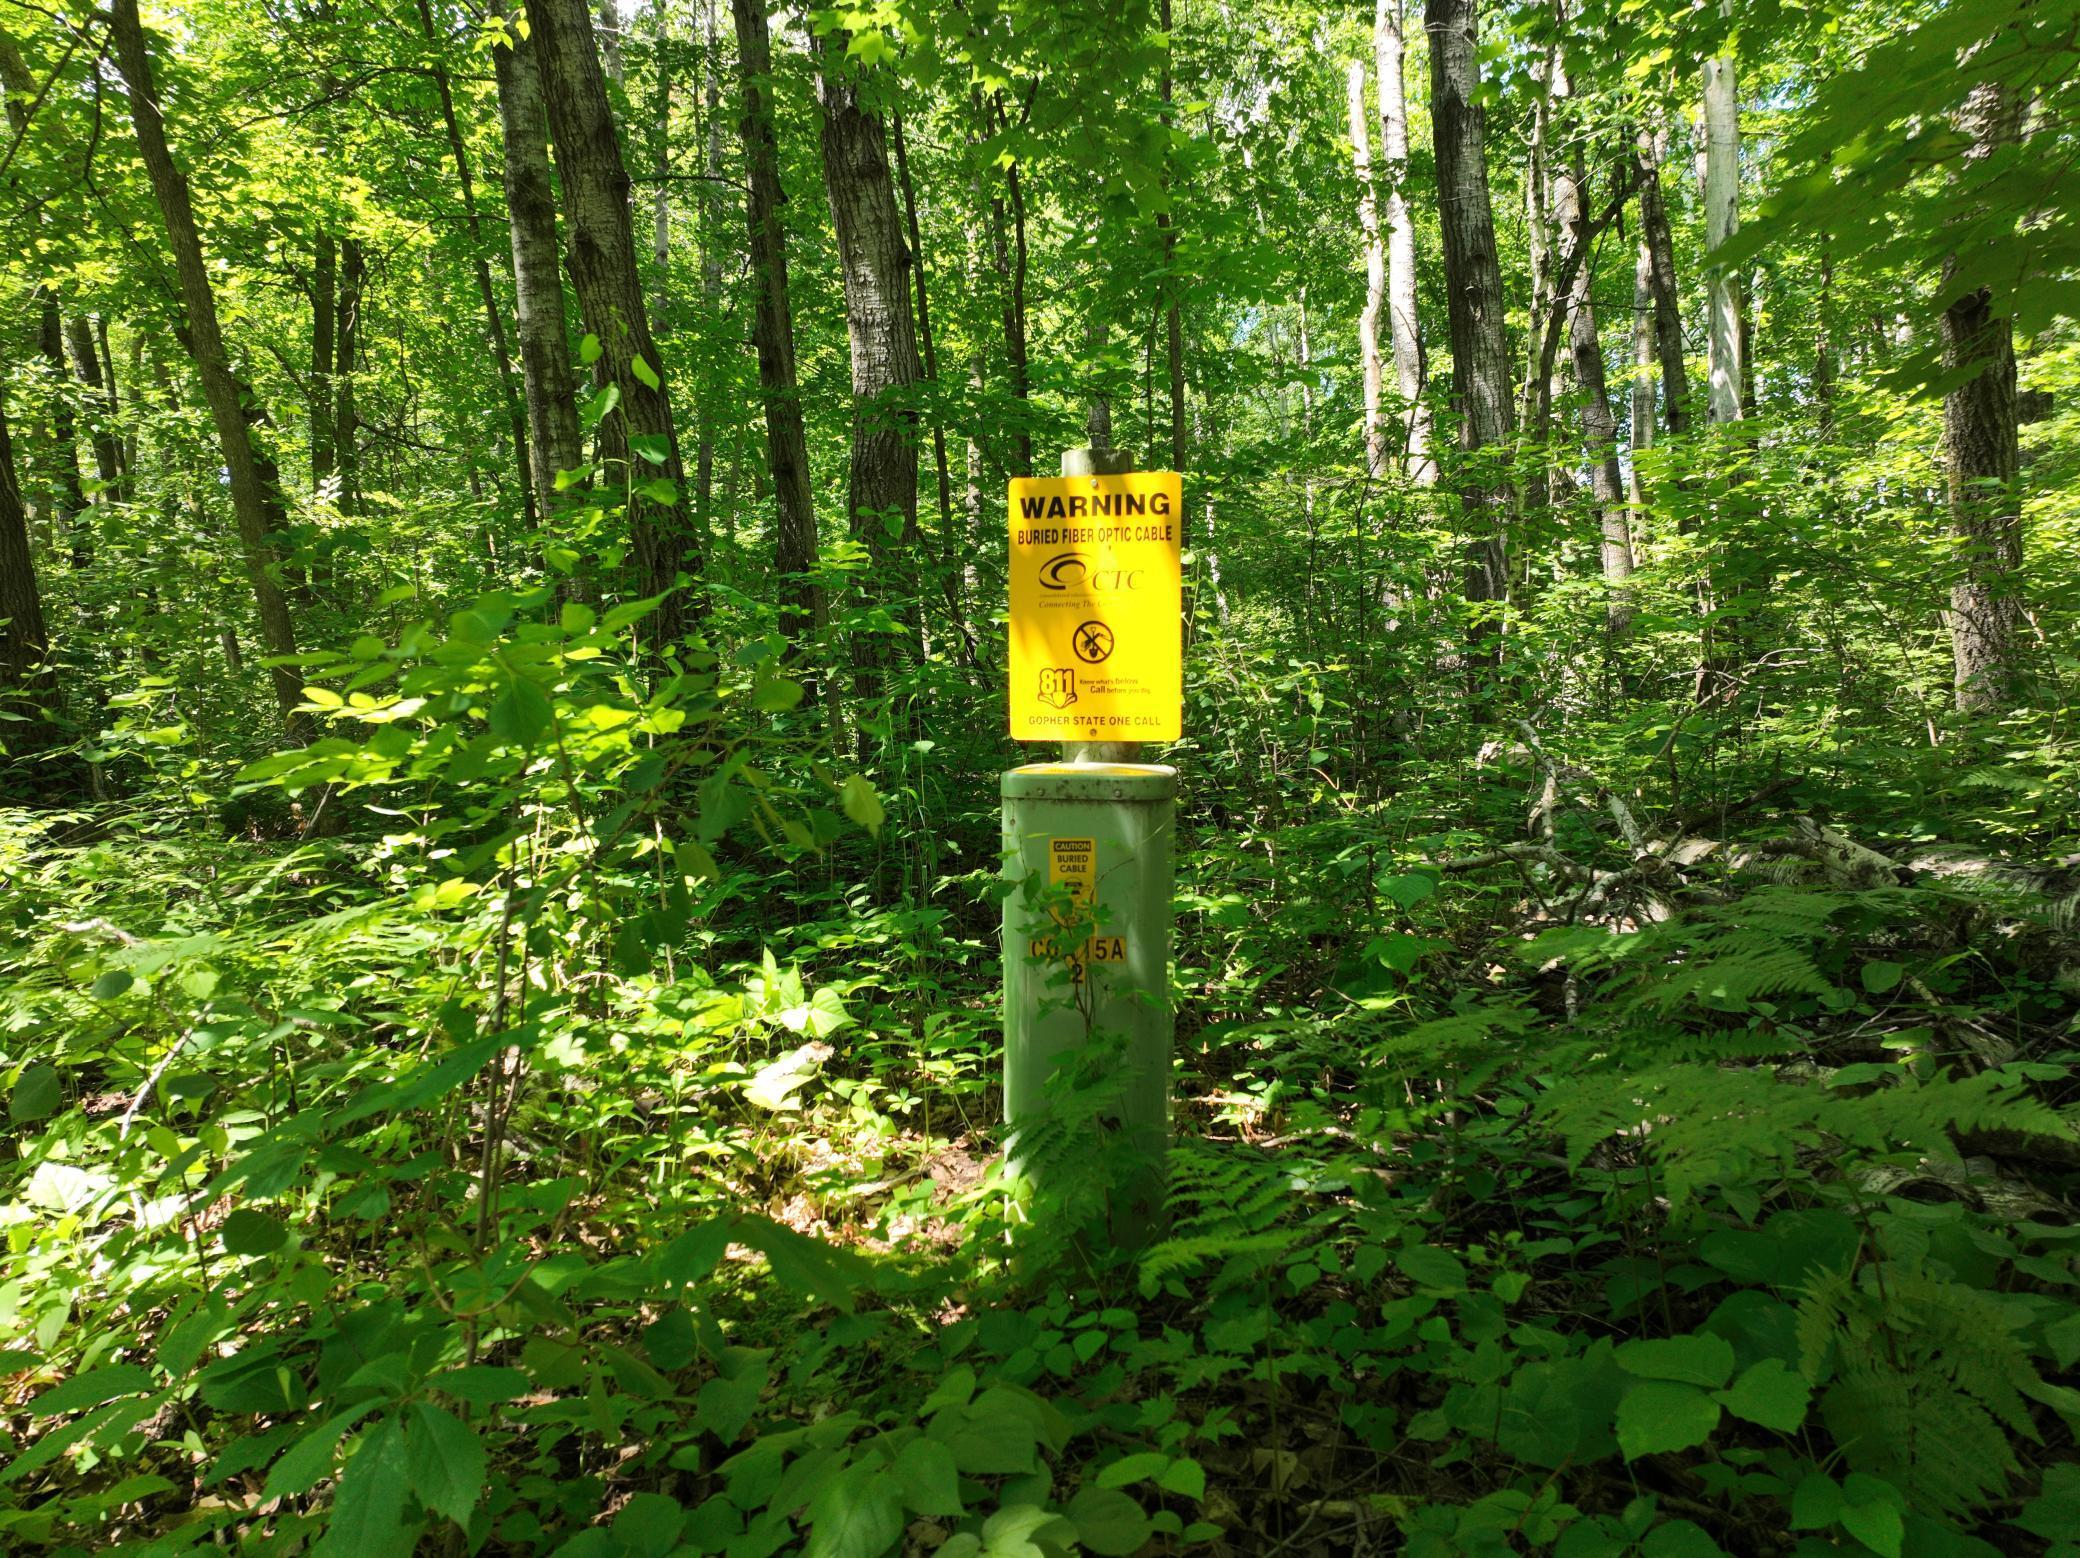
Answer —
1093 643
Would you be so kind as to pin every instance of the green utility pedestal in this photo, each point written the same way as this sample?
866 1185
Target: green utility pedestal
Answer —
1088 849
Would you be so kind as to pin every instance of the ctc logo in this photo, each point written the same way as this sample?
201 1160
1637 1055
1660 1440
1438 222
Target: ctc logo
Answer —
1071 570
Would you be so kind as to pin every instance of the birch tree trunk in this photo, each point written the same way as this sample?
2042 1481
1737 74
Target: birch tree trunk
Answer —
638 442
1722 153
1477 307
255 503
1375 272
772 330
538 313
1404 322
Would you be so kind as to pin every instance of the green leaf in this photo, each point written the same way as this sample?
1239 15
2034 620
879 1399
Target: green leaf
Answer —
648 1525
859 1514
1430 1267
309 1460
644 372
37 1091
1134 1468
521 713
1108 1521
1875 1523
483 1384
1660 1415
727 1404
1879 976
91 1389
1409 890
589 350
113 983
446 1460
1699 1358
247 1232
861 801
929 1479
804 1264
368 1510
661 492
1770 1394
1184 1477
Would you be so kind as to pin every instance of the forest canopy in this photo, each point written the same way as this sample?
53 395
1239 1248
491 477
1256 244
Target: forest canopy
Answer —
519 955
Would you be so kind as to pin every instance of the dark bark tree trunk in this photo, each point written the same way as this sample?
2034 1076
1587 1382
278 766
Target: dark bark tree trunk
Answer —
545 361
882 328
772 330
638 437
712 210
346 331
24 640
324 320
1008 256
480 262
1599 426
949 578
257 505
1668 302
1476 305
1982 450
71 497
101 430
1173 317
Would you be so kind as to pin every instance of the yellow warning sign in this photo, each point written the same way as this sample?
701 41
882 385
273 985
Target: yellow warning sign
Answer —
1073 863
1097 607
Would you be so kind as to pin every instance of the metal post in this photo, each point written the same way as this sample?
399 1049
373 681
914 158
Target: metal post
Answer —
1088 849
1099 462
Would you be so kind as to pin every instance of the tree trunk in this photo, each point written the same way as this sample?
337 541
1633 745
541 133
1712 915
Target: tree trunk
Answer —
1404 322
610 40
24 640
545 361
1369 362
1477 307
711 233
1599 426
602 258
882 329
772 329
1981 448
1640 398
1173 317
1008 252
1722 153
480 261
258 509
930 350
324 320
101 431
1668 303
346 362
660 195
